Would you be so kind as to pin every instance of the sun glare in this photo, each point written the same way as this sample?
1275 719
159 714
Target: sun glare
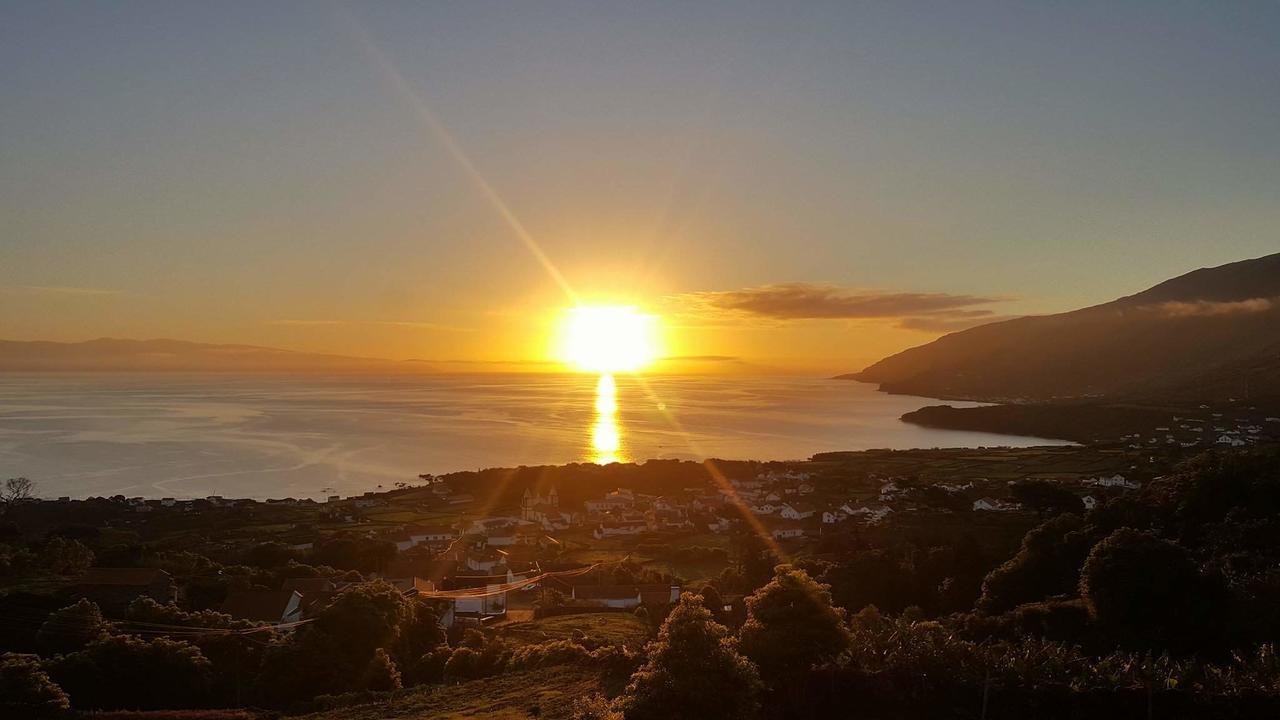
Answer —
609 338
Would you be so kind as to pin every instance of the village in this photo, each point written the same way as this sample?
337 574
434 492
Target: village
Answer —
497 562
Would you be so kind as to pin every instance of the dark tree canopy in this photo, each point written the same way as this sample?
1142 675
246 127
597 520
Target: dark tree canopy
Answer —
693 672
72 628
1047 564
26 690
1146 590
792 626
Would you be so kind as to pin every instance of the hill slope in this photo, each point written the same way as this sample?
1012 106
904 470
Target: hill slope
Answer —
1209 335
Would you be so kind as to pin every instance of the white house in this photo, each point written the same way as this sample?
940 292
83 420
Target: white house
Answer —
783 532
484 560
831 517
869 513
622 527
763 509
1090 502
797 511
774 476
493 602
719 526
890 491
1113 481
988 504
432 536
626 596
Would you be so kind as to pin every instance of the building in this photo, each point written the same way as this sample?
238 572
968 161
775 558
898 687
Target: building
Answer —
484 560
873 512
797 511
268 606
534 507
620 527
625 596
1113 481
487 601
988 504
411 586
433 535
788 531
115 588
832 517
619 499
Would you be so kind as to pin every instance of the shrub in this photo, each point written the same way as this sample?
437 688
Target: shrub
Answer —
72 628
381 674
26 690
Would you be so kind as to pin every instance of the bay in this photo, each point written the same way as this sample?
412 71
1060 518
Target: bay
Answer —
263 436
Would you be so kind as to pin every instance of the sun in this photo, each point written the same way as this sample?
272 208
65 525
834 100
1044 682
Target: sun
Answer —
608 338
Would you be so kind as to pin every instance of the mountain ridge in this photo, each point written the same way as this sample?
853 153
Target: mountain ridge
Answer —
1211 334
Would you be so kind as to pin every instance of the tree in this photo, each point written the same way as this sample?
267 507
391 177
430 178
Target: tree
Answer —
381 673
72 628
66 557
17 490
1046 498
792 626
1047 564
124 671
1147 591
754 559
693 671
712 600
26 690
420 632
363 618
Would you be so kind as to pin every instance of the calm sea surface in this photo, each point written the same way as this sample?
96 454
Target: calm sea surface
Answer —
305 436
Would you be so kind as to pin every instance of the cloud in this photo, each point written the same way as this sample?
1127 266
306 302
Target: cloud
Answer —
950 325
809 301
57 290
392 323
1209 308
934 312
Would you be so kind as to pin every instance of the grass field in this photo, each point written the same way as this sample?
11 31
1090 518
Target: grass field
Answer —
609 628
552 691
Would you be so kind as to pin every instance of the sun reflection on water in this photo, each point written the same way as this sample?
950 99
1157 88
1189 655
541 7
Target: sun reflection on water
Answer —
606 433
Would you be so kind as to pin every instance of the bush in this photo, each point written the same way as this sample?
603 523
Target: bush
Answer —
72 628
26 690
547 654
123 671
381 675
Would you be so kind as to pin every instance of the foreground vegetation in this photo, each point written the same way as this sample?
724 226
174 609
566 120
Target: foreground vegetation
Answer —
1158 603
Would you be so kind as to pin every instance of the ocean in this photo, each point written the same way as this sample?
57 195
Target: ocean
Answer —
262 436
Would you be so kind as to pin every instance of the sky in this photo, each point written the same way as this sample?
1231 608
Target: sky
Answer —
807 186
